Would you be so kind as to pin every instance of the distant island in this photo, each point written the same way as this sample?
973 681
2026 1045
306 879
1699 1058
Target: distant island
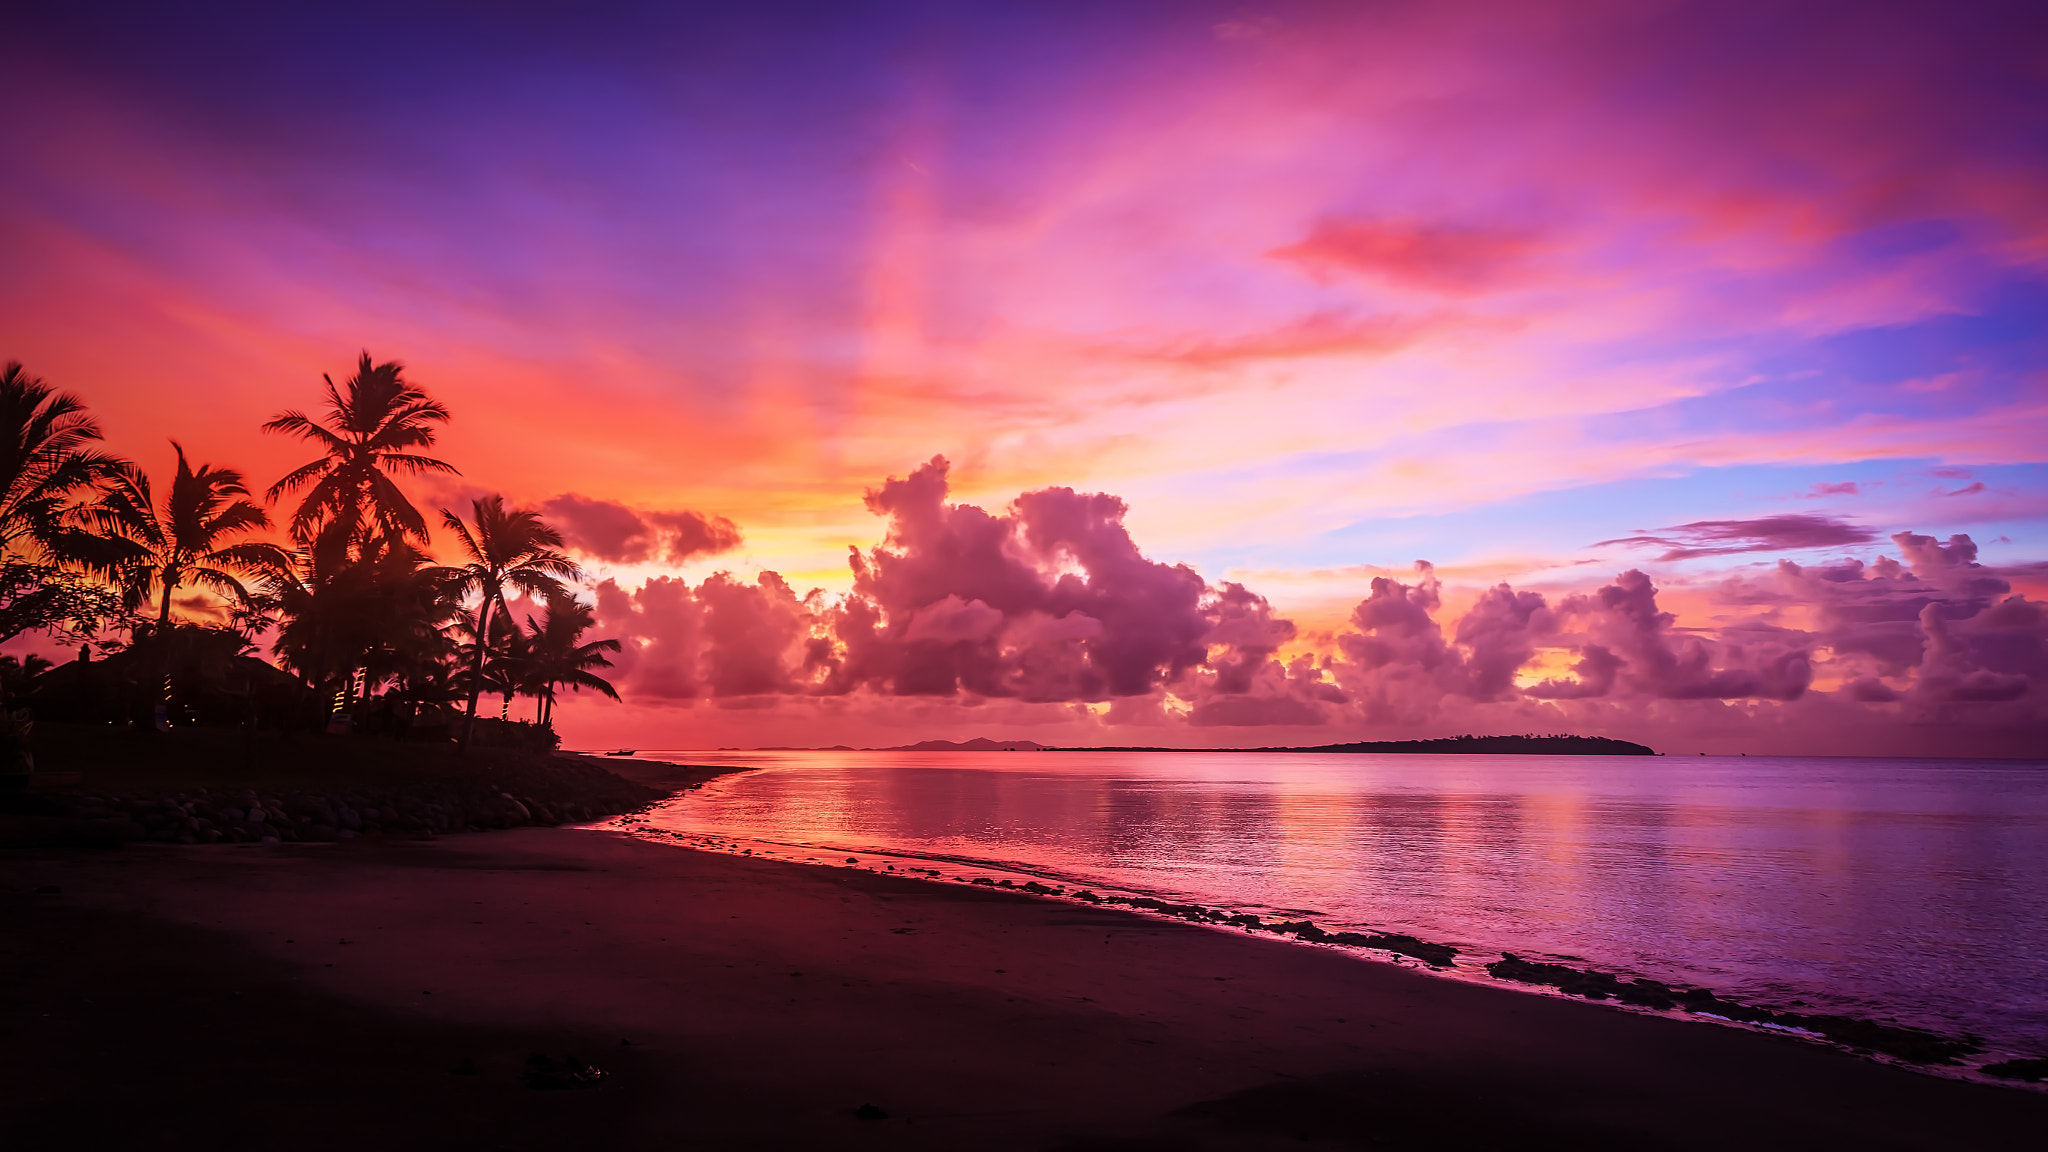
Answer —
1457 745
978 744
1524 745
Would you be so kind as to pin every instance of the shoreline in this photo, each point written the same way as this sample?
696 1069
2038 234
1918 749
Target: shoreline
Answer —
1958 1056
761 1003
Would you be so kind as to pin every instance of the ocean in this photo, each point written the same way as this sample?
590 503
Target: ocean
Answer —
1912 891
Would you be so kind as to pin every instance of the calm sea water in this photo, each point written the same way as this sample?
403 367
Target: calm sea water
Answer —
1909 890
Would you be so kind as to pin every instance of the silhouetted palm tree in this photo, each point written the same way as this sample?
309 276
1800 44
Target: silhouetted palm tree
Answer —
507 549
380 612
183 540
46 462
556 659
508 659
16 674
375 419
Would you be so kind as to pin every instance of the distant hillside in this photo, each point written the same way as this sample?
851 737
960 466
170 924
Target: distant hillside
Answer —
978 744
1454 745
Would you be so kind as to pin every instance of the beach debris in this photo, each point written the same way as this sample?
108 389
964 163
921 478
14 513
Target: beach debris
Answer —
49 890
545 1073
2032 1070
463 1067
1913 1045
870 1112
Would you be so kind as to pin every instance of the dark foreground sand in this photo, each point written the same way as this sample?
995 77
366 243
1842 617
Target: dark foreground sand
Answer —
325 996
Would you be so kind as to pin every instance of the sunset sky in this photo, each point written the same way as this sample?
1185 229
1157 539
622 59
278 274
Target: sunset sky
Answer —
1727 311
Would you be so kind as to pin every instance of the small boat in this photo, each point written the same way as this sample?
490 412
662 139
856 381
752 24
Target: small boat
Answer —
623 752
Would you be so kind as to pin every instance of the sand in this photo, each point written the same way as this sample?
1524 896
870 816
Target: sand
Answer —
388 995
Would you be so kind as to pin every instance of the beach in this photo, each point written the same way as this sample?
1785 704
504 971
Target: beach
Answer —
391 994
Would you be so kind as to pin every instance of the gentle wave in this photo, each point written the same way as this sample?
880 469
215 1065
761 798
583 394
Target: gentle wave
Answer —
1911 892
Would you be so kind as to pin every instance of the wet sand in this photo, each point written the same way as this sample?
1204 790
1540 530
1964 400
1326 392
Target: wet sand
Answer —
388 995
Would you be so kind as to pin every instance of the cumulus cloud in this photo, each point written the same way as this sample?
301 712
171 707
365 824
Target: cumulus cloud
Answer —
1048 603
608 530
1657 659
724 638
1765 534
1049 600
1501 633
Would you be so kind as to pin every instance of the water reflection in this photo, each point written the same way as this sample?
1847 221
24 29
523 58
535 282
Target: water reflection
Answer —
1913 889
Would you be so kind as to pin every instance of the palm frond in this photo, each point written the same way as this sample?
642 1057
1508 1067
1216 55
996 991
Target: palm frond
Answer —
417 465
299 477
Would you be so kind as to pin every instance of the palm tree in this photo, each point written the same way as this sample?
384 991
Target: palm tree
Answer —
555 657
182 541
46 460
508 658
374 420
507 549
381 612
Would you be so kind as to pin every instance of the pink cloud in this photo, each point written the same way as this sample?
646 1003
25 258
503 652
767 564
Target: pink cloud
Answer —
1765 534
1433 257
1033 612
608 530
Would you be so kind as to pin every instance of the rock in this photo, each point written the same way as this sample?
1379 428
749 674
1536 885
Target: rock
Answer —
870 1112
1434 955
2032 1071
545 1073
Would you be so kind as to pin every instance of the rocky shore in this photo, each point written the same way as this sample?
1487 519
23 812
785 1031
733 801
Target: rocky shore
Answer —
542 791
1871 1037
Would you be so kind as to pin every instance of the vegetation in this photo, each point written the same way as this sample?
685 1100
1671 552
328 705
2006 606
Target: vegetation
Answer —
48 461
506 550
176 590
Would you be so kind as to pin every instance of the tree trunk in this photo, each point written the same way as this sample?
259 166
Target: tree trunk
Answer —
476 674
158 694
